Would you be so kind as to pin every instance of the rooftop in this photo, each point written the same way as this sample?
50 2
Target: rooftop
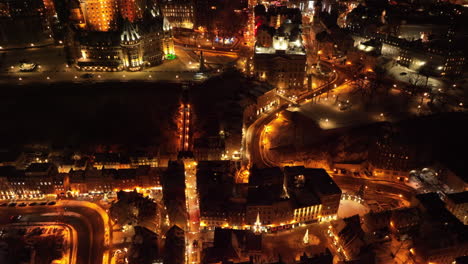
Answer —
263 176
264 194
322 182
458 198
9 156
38 167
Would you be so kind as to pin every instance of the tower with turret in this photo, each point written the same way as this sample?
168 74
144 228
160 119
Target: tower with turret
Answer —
130 41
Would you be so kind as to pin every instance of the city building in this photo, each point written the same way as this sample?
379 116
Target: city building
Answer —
442 237
295 195
131 9
180 13
453 175
116 160
144 247
219 206
433 59
131 46
405 222
38 180
321 258
280 57
100 15
173 183
174 246
457 204
92 180
347 237
24 23
234 245
389 158
209 148
437 57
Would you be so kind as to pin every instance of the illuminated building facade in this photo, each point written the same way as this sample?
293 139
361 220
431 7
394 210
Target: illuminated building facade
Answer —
347 236
280 56
294 195
438 57
132 47
457 204
37 180
23 23
433 61
41 179
130 41
131 9
100 15
180 13
442 236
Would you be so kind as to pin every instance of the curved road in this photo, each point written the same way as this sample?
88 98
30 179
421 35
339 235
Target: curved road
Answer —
255 155
254 131
87 222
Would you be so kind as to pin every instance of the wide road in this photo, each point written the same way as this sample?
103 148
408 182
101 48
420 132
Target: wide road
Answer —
87 222
383 187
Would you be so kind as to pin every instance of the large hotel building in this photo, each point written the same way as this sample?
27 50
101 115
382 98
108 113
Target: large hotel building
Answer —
116 35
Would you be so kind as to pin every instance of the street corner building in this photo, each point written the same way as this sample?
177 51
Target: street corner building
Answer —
128 41
294 195
280 56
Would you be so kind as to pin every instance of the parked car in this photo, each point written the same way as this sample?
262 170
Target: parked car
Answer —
15 218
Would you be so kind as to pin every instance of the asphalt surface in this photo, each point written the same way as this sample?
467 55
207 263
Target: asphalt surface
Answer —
379 186
87 223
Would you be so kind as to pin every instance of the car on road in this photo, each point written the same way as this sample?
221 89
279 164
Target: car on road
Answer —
22 204
43 203
51 203
15 218
4 204
26 66
87 75
12 205
33 204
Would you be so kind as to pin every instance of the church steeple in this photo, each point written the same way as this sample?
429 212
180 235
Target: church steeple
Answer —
257 228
